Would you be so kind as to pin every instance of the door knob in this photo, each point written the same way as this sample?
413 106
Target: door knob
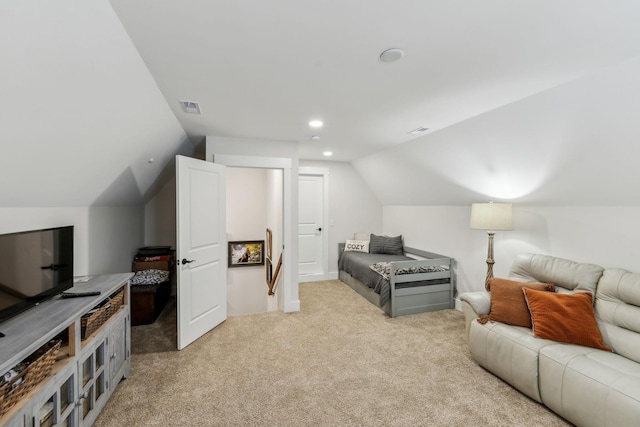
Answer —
319 228
187 261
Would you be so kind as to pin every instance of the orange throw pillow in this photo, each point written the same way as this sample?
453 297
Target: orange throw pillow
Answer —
565 317
507 301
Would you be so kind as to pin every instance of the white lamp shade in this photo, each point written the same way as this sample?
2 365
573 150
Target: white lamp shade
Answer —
491 216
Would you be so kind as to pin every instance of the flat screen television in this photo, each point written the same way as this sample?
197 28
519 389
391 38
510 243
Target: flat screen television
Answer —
34 266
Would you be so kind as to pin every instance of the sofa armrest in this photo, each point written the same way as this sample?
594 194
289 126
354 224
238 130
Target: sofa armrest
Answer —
480 302
474 304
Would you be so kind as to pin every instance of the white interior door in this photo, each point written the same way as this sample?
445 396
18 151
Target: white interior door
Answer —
311 261
201 248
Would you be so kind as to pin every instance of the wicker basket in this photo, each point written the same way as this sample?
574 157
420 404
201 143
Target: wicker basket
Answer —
92 322
39 365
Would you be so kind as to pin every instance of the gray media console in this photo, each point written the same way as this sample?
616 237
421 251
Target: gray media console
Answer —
90 363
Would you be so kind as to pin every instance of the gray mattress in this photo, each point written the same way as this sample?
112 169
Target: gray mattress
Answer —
358 265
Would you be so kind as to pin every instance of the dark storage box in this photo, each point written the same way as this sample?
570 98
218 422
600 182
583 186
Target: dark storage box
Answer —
151 265
154 250
147 301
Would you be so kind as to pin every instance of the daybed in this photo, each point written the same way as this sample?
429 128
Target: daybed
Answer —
397 283
586 383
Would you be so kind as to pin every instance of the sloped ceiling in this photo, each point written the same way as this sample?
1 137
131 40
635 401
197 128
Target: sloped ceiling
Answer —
263 69
532 101
574 145
80 114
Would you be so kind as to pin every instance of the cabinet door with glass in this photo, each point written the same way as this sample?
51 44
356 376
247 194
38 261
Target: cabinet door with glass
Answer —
55 404
93 371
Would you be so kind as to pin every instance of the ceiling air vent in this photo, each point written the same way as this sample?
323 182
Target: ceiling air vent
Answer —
417 131
190 107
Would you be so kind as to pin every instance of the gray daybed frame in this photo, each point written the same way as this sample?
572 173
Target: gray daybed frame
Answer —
415 299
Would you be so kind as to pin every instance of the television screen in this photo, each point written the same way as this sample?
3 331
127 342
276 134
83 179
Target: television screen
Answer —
34 265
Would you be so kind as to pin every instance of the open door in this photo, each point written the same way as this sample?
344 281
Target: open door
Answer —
201 248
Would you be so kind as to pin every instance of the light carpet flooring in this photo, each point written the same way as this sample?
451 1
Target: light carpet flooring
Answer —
340 361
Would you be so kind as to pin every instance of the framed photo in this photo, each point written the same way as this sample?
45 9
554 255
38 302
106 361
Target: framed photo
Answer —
268 271
269 244
246 253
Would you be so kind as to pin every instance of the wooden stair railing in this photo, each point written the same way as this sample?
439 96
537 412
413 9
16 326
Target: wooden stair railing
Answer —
274 279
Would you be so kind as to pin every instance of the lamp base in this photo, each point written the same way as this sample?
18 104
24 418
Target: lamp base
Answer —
490 260
490 263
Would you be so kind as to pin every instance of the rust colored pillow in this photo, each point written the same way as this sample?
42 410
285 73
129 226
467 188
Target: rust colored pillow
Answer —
507 301
565 317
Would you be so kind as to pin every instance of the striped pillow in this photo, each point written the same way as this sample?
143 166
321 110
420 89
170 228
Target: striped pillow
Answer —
386 245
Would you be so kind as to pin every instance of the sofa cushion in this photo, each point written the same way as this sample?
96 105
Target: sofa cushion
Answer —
571 275
597 388
510 352
618 311
507 301
564 317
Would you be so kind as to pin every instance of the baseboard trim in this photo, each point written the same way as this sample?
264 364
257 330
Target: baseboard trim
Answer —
303 278
292 307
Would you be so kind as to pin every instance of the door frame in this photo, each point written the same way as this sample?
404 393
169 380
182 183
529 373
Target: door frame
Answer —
291 301
324 173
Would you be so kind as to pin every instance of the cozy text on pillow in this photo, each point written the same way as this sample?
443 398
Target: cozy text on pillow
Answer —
356 246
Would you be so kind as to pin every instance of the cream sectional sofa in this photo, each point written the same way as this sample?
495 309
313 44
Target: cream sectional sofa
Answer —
587 386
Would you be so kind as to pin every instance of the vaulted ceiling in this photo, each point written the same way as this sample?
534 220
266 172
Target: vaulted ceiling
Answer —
263 69
527 100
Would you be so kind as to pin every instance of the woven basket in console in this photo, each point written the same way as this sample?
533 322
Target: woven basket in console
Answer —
91 323
38 367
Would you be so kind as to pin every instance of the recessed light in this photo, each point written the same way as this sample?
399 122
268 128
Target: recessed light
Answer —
316 123
391 55
315 137
418 131
327 153
190 107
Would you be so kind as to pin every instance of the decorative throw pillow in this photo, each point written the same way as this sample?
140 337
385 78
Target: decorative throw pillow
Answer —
356 246
361 236
507 301
565 317
386 245
149 277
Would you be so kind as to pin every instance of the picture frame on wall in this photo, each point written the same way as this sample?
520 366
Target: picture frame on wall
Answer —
246 253
269 244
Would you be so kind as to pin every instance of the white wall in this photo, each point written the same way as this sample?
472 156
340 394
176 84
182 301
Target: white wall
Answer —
274 223
160 217
607 236
105 238
246 220
115 234
352 207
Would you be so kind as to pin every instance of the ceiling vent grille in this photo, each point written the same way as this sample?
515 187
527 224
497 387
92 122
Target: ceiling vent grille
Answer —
190 107
417 131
